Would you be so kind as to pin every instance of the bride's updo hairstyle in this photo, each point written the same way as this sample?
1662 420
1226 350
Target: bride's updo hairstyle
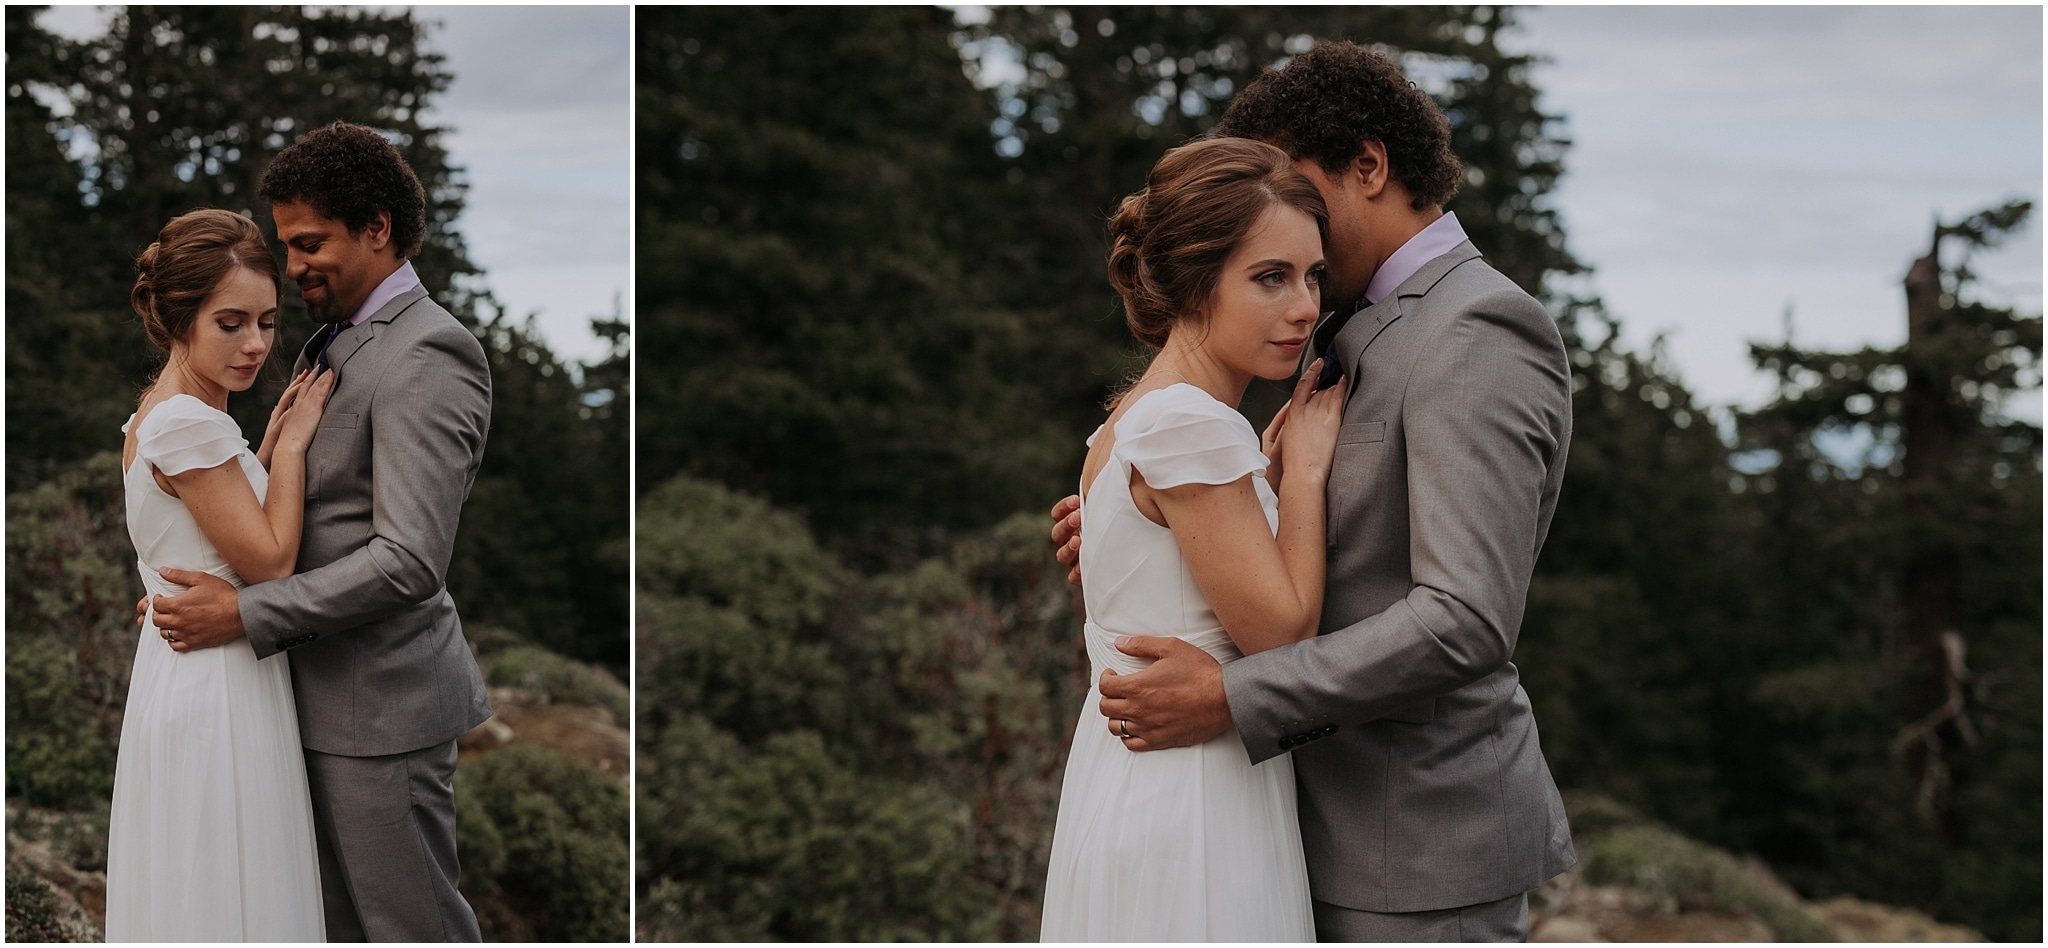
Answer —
191 256
1168 242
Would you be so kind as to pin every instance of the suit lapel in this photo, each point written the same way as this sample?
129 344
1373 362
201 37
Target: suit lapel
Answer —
1365 327
354 338
346 344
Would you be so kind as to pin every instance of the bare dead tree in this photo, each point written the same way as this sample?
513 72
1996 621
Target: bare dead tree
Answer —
1933 419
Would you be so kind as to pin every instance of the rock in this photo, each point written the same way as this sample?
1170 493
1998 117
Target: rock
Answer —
1856 920
1685 926
576 731
80 897
1566 930
490 735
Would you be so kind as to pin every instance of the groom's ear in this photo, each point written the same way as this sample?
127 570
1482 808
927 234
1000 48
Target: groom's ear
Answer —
1369 170
378 230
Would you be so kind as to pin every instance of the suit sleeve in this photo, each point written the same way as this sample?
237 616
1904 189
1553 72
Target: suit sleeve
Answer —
429 417
1485 417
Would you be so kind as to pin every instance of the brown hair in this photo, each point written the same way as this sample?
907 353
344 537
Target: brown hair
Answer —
1328 102
191 256
1169 241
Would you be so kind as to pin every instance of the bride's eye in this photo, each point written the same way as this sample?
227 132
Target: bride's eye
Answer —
1272 278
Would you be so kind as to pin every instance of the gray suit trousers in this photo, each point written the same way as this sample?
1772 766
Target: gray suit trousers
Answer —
386 828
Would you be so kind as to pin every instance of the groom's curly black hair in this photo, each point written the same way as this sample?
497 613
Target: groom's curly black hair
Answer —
1328 102
349 173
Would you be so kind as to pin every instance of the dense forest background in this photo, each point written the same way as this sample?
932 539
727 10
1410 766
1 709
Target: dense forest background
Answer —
177 108
874 332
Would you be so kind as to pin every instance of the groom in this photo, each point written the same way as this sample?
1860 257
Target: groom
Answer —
384 680
1427 810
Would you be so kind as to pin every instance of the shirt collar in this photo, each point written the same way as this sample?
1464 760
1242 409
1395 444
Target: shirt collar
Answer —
1439 238
400 280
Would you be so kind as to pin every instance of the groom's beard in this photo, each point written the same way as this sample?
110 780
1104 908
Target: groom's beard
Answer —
326 309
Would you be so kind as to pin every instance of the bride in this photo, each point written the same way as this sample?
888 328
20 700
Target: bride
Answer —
211 834
1194 532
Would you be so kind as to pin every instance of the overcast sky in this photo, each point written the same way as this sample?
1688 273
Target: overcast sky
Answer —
1729 162
540 116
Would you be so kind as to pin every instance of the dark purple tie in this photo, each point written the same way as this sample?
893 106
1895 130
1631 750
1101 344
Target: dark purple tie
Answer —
1326 338
320 361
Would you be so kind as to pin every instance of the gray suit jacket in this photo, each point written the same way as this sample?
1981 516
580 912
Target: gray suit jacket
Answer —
1422 785
379 664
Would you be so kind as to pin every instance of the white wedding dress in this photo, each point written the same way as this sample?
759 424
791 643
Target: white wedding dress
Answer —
1191 843
211 835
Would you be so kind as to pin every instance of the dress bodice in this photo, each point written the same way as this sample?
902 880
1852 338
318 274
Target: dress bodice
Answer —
180 434
1134 579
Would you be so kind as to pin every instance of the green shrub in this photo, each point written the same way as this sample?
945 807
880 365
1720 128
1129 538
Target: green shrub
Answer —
697 538
550 833
778 841
55 754
69 561
824 755
35 915
71 591
735 597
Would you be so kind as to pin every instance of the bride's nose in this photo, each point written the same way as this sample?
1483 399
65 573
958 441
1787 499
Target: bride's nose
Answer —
1306 306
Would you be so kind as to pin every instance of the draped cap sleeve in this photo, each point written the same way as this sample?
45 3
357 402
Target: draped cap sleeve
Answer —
1180 435
185 434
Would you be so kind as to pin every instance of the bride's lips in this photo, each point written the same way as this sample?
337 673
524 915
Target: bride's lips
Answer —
246 369
1292 346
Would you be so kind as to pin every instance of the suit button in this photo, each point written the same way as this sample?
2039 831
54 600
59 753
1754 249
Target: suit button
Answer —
1332 729
1287 743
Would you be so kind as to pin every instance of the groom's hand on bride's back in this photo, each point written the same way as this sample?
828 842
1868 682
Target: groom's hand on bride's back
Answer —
1066 536
205 615
1177 701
